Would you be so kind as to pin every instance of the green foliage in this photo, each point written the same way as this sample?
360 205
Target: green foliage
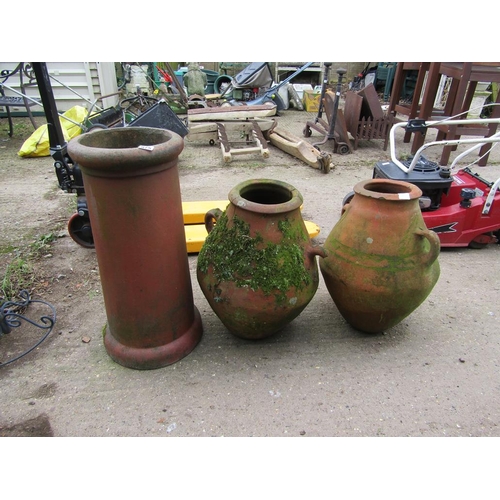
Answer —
42 244
22 127
18 276
20 272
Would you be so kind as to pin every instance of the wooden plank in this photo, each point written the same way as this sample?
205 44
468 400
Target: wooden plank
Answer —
352 111
229 148
242 112
207 131
300 148
371 107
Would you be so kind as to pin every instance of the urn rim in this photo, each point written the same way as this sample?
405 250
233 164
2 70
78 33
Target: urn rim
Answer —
266 196
125 150
388 189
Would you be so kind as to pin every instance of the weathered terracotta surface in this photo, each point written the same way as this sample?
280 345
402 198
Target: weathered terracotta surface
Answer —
382 260
135 209
257 267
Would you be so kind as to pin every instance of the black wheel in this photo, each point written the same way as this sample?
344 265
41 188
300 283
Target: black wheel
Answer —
80 231
343 149
477 246
307 132
347 199
483 240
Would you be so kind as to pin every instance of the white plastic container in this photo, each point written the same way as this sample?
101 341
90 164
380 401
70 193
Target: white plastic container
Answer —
300 87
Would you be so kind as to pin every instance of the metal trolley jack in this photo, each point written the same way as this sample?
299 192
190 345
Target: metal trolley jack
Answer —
328 130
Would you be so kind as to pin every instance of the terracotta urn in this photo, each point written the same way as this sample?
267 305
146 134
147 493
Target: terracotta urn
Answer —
258 267
135 209
382 261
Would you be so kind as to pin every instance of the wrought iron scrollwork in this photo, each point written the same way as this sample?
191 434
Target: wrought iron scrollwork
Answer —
11 317
25 68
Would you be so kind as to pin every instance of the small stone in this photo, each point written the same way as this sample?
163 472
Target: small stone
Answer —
302 433
462 360
86 339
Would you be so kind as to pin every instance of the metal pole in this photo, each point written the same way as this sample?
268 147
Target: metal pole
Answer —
323 90
341 72
331 132
56 136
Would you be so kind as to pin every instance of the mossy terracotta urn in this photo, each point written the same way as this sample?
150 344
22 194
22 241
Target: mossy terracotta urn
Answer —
258 267
382 261
135 208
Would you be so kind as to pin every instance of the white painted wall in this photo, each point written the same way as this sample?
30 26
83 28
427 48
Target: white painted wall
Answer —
78 83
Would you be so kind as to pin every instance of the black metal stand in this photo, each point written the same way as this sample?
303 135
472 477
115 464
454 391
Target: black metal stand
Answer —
10 318
21 100
323 91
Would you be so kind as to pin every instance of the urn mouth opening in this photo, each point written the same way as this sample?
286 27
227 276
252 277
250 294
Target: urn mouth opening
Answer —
266 196
388 189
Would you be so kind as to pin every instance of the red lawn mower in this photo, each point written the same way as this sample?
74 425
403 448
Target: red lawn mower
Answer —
459 205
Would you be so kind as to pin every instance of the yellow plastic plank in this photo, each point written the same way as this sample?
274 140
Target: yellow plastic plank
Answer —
194 211
196 234
195 237
312 228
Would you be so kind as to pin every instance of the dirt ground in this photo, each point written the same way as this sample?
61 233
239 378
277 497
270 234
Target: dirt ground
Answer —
435 374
